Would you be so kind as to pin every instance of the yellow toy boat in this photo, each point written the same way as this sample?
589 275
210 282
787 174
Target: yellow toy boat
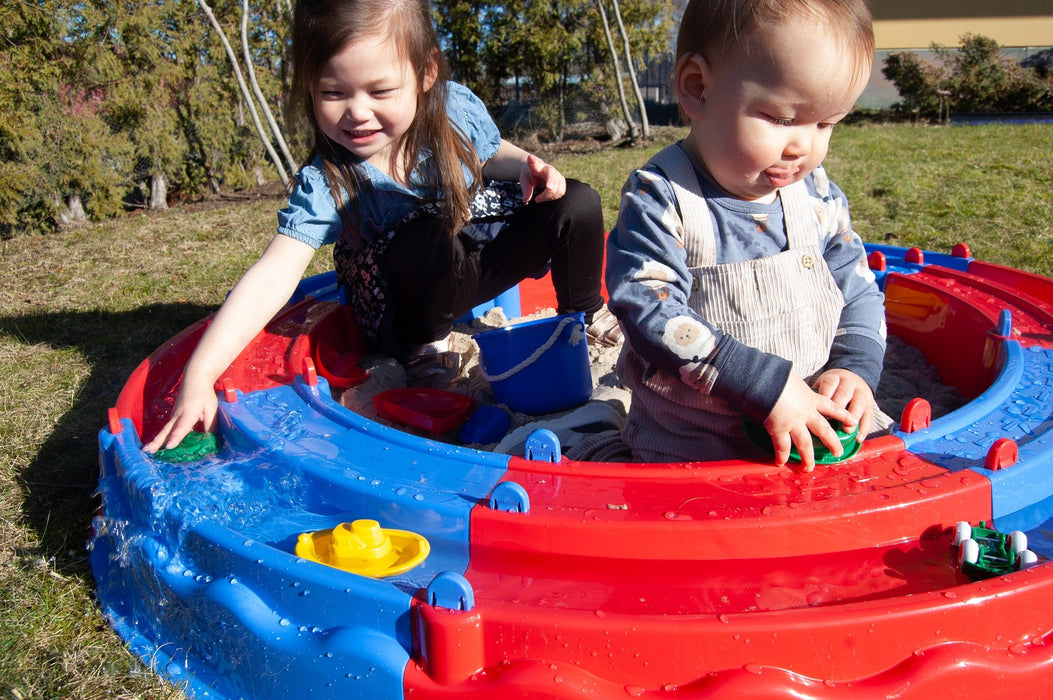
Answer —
363 547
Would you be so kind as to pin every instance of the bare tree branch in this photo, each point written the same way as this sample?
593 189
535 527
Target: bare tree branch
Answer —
617 70
290 162
282 173
632 70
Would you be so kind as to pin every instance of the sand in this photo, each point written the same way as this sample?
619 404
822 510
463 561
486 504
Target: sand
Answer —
906 375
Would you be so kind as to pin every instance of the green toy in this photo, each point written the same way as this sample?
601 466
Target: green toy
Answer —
194 446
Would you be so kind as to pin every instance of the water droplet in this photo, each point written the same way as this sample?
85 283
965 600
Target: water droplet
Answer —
284 622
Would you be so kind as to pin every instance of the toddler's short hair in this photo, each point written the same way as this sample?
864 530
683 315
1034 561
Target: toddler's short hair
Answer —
712 27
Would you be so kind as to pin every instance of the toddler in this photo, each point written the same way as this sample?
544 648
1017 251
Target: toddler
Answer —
742 290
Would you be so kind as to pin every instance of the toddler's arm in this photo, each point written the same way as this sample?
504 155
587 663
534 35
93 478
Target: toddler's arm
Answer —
261 292
535 175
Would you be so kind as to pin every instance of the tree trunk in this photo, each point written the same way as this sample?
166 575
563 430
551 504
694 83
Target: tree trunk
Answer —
245 92
617 70
289 161
71 212
632 70
158 193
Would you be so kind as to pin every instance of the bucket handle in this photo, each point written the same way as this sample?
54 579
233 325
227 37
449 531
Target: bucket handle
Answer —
533 357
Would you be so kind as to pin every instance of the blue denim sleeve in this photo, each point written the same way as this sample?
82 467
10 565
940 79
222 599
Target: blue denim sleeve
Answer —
311 216
469 113
649 286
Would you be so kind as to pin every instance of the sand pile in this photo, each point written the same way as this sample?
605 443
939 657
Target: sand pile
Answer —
906 375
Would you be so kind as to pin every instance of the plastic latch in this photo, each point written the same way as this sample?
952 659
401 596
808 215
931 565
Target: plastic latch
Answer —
917 415
877 261
509 497
996 337
1003 454
543 446
310 374
452 591
1004 327
115 421
229 393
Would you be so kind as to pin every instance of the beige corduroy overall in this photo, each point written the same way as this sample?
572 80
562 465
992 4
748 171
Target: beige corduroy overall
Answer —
787 304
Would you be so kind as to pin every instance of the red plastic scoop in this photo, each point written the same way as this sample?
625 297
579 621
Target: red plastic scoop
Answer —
434 410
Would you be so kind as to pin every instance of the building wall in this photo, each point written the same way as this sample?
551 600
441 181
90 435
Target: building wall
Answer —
1021 27
917 24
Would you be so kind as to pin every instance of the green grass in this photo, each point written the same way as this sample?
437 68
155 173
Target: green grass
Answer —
79 310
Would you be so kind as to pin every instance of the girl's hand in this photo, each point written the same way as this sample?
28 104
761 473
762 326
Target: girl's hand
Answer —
797 415
260 293
195 404
847 389
540 177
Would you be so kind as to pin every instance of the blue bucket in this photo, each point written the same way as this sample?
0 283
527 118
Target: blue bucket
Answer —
539 366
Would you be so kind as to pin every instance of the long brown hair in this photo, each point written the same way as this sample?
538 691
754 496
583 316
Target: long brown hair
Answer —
321 29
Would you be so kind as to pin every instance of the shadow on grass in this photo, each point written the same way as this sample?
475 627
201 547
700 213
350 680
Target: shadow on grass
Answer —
59 482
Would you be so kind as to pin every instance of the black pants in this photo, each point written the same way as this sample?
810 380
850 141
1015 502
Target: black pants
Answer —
434 279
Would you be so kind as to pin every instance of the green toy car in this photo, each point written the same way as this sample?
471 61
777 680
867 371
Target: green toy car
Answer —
985 553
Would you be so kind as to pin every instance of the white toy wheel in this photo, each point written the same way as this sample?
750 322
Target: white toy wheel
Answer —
962 531
1017 541
1026 559
968 551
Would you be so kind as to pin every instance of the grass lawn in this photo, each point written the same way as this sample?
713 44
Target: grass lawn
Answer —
79 310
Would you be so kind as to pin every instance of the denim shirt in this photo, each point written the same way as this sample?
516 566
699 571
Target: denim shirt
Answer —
311 215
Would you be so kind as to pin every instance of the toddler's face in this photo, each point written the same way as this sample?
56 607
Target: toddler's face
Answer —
766 120
366 100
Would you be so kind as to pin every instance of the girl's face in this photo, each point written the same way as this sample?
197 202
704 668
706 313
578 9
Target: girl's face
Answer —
366 100
765 121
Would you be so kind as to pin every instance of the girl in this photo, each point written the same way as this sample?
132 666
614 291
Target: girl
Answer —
409 177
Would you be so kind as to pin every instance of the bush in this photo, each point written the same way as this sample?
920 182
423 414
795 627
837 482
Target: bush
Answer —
976 77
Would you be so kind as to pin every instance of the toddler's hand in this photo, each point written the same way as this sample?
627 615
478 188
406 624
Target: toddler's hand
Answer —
797 415
847 389
193 405
538 176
